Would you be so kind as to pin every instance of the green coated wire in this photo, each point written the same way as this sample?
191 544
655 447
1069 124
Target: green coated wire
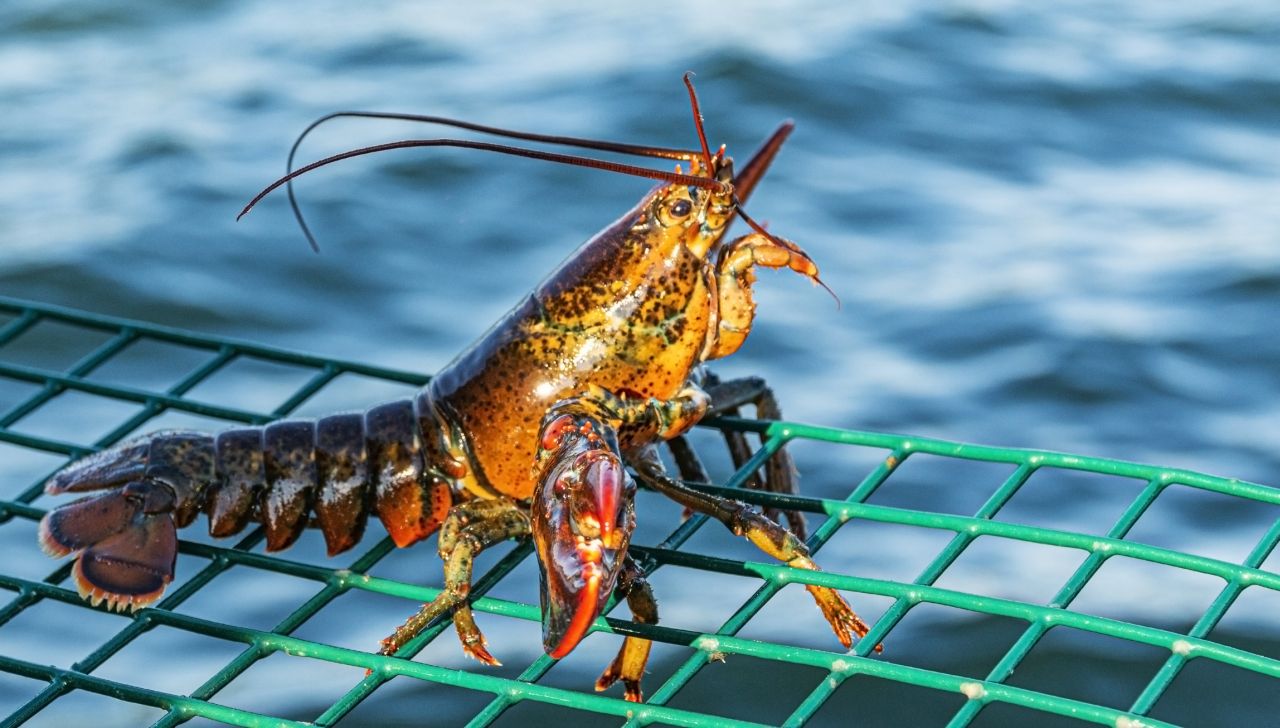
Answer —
838 667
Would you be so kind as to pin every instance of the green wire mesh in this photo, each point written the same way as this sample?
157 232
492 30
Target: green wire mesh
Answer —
43 384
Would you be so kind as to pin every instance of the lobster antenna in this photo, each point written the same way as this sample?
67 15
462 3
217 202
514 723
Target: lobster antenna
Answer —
658 174
606 146
786 244
697 119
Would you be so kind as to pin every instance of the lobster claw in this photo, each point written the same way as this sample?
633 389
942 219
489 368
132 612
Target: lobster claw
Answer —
583 516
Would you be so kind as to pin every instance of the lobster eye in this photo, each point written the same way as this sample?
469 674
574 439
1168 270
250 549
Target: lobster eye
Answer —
681 208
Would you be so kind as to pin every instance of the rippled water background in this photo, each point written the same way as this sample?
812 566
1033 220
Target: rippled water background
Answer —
1050 226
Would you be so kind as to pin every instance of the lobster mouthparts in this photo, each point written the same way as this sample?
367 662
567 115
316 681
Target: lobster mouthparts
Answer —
583 516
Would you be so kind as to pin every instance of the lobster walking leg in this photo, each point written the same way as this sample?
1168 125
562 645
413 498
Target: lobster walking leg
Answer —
780 471
628 666
688 462
768 536
469 529
690 465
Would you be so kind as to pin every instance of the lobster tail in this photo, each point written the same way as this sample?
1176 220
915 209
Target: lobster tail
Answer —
287 475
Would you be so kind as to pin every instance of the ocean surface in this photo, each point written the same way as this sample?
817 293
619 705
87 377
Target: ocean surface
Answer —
1050 225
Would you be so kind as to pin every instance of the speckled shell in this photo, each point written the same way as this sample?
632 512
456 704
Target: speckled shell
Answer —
623 312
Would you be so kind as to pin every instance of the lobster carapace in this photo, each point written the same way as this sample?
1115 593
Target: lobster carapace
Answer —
526 433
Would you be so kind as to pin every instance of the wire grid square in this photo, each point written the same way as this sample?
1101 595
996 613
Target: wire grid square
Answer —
1120 668
1186 699
671 690
887 703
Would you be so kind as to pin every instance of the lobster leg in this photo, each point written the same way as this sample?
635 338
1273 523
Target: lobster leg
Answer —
688 462
690 465
767 535
469 529
628 666
780 471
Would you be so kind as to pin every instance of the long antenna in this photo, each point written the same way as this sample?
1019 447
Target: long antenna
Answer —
601 145
658 174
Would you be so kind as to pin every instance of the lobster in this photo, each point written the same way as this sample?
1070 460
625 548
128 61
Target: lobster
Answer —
527 433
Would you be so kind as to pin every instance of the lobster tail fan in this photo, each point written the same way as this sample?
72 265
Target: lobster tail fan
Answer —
126 554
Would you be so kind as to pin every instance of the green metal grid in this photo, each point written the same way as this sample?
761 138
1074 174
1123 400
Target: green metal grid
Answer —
1039 619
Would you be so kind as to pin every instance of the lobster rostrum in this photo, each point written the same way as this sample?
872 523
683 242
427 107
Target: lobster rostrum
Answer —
527 433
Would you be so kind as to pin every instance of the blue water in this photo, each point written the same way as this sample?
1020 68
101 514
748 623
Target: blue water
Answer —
1049 226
